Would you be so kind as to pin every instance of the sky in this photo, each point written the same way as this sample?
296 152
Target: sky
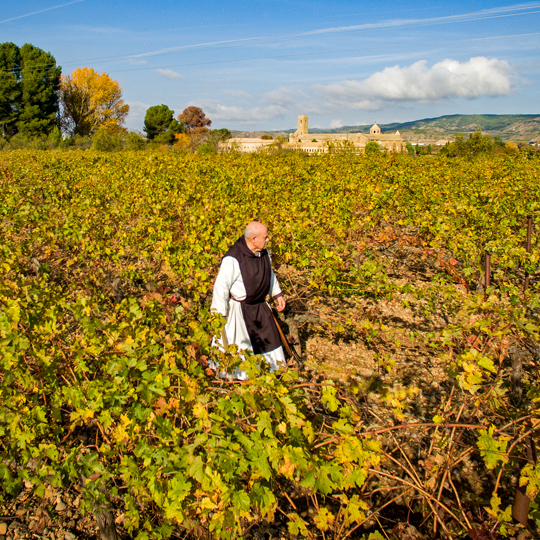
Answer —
256 65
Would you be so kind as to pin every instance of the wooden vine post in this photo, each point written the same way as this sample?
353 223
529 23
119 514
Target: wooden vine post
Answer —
520 508
105 520
528 248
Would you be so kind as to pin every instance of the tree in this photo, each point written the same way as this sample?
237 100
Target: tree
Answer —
194 119
216 137
29 84
206 149
91 101
410 149
223 134
510 148
476 145
480 144
458 148
40 79
182 141
160 124
340 147
135 141
10 89
372 147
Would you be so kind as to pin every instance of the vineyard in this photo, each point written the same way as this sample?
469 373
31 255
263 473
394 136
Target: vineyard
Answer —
413 413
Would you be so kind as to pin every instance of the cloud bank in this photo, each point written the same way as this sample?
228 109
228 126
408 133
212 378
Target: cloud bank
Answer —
417 83
274 104
448 79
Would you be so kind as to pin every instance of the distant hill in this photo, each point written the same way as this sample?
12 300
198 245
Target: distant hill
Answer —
509 127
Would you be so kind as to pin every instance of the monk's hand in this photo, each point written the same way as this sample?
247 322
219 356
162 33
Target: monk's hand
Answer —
280 303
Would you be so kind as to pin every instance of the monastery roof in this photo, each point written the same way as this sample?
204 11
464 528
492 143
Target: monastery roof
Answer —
386 137
319 135
249 139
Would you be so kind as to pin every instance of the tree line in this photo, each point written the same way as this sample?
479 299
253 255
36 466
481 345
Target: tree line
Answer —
39 103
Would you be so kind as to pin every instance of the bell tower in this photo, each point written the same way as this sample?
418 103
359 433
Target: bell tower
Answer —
302 124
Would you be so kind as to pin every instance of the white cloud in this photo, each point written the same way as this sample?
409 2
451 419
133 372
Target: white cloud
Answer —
275 104
448 79
137 112
416 83
336 123
137 109
285 97
170 74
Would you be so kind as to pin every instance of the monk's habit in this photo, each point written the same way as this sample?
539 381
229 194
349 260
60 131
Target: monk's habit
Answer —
243 282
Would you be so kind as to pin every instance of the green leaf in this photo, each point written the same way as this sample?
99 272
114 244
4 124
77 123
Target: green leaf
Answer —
196 469
492 450
296 525
241 501
329 396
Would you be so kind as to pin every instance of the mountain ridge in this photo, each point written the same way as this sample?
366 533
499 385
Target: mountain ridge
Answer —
509 127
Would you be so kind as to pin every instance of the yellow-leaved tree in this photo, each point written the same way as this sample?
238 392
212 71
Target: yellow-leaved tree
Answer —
91 101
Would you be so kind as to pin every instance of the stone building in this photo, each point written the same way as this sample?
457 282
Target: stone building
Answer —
314 143
301 139
247 144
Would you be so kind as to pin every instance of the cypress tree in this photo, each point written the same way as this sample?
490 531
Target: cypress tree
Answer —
29 85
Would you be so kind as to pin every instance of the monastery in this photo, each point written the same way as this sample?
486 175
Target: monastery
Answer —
304 141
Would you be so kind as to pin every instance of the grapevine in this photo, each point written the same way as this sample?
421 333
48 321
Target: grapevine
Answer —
412 412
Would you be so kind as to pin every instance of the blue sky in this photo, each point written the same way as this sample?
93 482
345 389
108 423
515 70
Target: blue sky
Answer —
257 65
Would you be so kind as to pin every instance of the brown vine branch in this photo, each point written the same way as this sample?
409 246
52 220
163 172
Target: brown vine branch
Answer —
426 424
430 499
378 511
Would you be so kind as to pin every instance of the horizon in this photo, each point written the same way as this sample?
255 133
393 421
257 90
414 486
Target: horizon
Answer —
256 66
385 124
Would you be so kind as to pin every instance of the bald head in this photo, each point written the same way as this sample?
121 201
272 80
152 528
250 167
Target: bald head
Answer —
256 235
254 228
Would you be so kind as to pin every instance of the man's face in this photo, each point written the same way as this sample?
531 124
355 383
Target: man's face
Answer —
260 240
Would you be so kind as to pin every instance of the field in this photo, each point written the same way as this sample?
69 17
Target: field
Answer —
412 414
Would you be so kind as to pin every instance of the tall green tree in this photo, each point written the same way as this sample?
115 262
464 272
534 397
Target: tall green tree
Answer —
159 124
40 80
29 84
10 89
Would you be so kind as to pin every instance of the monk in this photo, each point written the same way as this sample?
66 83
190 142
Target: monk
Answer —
245 279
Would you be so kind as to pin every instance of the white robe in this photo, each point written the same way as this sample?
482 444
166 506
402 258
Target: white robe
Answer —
229 283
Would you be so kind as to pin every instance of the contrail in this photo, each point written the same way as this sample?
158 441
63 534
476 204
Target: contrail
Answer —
495 13
41 11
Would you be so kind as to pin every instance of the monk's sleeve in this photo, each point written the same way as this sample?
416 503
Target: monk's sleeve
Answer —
275 289
222 286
